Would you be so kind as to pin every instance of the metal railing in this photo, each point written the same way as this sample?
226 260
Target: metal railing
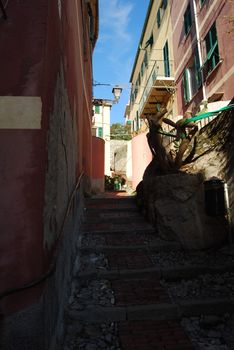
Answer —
160 68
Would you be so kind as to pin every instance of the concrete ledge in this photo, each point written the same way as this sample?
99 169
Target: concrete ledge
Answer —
118 274
164 311
99 314
119 231
208 307
148 246
153 312
173 274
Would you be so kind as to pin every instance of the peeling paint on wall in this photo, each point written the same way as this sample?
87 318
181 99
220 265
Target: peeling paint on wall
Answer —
20 112
62 155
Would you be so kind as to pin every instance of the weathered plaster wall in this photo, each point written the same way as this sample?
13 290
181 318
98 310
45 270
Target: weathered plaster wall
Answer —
42 154
141 157
98 164
23 146
62 157
119 156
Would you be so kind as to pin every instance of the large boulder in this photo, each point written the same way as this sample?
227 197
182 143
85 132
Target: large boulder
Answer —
175 203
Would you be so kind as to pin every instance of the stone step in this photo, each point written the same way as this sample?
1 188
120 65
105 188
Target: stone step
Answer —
165 311
98 217
148 246
117 228
161 311
172 274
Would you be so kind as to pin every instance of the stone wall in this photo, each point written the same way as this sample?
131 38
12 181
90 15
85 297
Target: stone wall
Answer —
176 203
119 156
214 153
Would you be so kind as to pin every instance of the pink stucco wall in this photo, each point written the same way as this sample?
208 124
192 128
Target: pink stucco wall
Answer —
141 157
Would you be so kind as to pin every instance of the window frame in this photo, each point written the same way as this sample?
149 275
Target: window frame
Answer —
97 109
166 59
100 131
212 49
187 19
159 18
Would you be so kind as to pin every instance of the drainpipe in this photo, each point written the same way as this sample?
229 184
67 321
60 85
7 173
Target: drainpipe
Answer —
199 47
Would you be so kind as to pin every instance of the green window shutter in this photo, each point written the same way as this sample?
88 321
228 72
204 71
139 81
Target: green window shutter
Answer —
159 18
146 59
187 19
150 41
100 132
164 4
142 68
212 49
166 60
202 2
97 109
186 86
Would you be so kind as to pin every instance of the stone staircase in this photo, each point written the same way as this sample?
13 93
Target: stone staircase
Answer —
119 293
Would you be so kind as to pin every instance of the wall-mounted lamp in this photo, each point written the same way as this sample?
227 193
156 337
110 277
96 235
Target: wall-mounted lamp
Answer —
116 91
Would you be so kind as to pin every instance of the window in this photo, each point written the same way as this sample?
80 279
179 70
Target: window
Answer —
161 11
146 59
192 78
164 4
137 121
187 19
166 60
100 132
150 41
212 50
142 69
159 17
97 109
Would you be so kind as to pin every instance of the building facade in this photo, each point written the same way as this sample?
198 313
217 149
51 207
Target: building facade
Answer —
203 44
101 127
184 62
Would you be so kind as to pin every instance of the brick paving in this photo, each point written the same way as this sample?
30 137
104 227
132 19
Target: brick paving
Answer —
129 260
139 292
153 335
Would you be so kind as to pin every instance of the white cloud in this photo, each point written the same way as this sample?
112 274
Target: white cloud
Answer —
114 19
115 41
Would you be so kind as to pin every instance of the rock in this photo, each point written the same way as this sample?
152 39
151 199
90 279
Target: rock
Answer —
90 347
209 321
178 204
109 338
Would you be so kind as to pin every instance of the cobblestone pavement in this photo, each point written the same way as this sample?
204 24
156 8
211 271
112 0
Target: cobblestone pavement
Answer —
132 290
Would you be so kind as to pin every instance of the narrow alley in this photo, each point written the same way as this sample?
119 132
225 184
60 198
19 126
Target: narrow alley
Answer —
132 290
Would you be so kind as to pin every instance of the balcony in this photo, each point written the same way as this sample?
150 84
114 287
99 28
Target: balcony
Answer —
158 89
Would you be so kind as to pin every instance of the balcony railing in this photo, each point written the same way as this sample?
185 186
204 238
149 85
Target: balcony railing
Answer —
160 71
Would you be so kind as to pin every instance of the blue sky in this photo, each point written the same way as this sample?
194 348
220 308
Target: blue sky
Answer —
120 27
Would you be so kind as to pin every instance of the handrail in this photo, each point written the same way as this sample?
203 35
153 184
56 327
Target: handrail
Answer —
52 266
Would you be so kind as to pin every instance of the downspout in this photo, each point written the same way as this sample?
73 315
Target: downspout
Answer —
199 47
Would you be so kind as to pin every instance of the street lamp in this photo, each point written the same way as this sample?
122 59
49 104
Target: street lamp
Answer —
116 91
